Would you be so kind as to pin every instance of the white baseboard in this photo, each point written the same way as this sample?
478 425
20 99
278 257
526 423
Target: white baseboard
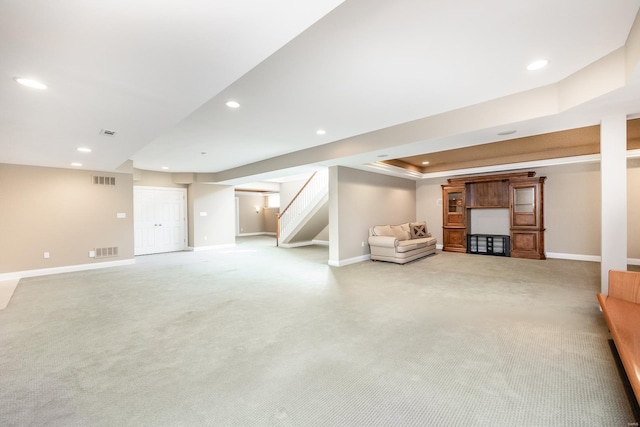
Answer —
591 258
439 246
574 257
320 242
262 233
7 287
64 269
349 261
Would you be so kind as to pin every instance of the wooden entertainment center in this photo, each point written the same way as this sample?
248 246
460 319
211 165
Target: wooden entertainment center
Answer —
522 193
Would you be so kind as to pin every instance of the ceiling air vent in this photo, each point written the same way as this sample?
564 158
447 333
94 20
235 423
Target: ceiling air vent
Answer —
107 132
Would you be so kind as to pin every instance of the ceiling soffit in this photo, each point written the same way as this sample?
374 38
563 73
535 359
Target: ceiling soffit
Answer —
567 143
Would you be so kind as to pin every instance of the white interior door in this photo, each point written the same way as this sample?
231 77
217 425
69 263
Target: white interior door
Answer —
159 223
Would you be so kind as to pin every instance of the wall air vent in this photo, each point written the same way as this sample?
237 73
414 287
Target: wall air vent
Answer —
107 132
106 252
104 180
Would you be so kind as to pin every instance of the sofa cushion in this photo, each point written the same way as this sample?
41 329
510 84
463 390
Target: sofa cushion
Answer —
400 233
383 230
418 230
413 244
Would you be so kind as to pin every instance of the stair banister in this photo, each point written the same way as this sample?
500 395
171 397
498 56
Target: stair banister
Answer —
284 211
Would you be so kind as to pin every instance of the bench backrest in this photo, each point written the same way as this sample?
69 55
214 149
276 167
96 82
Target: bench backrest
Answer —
624 285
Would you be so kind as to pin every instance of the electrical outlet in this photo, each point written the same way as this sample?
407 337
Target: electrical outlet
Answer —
205 238
46 255
92 254
362 243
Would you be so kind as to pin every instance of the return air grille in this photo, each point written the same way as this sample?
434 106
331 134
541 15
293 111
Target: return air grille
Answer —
106 252
104 180
108 132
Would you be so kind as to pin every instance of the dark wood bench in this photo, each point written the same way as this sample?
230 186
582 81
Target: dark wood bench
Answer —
621 310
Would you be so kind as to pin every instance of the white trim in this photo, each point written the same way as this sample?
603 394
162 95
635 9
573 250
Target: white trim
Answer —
591 258
574 257
633 154
439 246
65 269
320 242
260 233
209 248
349 261
7 288
591 158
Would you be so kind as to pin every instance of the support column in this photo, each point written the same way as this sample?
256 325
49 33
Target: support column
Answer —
334 218
613 172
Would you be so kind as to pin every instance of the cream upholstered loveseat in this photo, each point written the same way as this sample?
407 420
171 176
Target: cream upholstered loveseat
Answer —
401 243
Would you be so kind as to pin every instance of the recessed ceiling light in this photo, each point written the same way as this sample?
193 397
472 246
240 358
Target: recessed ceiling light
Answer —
76 164
507 132
34 84
165 168
425 163
536 65
233 104
321 132
83 149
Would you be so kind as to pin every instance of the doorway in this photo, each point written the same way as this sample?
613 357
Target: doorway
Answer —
159 223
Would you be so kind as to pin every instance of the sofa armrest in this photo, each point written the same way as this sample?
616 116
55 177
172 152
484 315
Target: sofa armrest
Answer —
384 241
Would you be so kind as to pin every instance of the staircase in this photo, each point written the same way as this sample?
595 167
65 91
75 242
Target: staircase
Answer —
307 214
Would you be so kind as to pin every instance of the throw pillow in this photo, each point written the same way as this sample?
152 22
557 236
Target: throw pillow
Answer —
418 230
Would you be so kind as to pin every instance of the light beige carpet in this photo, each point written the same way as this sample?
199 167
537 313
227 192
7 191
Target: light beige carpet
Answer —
7 287
264 336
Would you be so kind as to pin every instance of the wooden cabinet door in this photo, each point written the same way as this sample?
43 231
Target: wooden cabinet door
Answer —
524 205
454 230
454 206
527 244
455 239
527 221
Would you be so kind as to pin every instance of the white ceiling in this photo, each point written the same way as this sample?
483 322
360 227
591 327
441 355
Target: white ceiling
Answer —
159 73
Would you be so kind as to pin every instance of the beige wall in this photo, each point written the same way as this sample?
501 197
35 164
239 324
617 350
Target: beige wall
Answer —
251 222
359 200
270 219
429 205
288 191
217 227
572 211
62 212
155 179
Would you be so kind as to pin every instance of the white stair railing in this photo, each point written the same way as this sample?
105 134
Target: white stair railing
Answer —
317 185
